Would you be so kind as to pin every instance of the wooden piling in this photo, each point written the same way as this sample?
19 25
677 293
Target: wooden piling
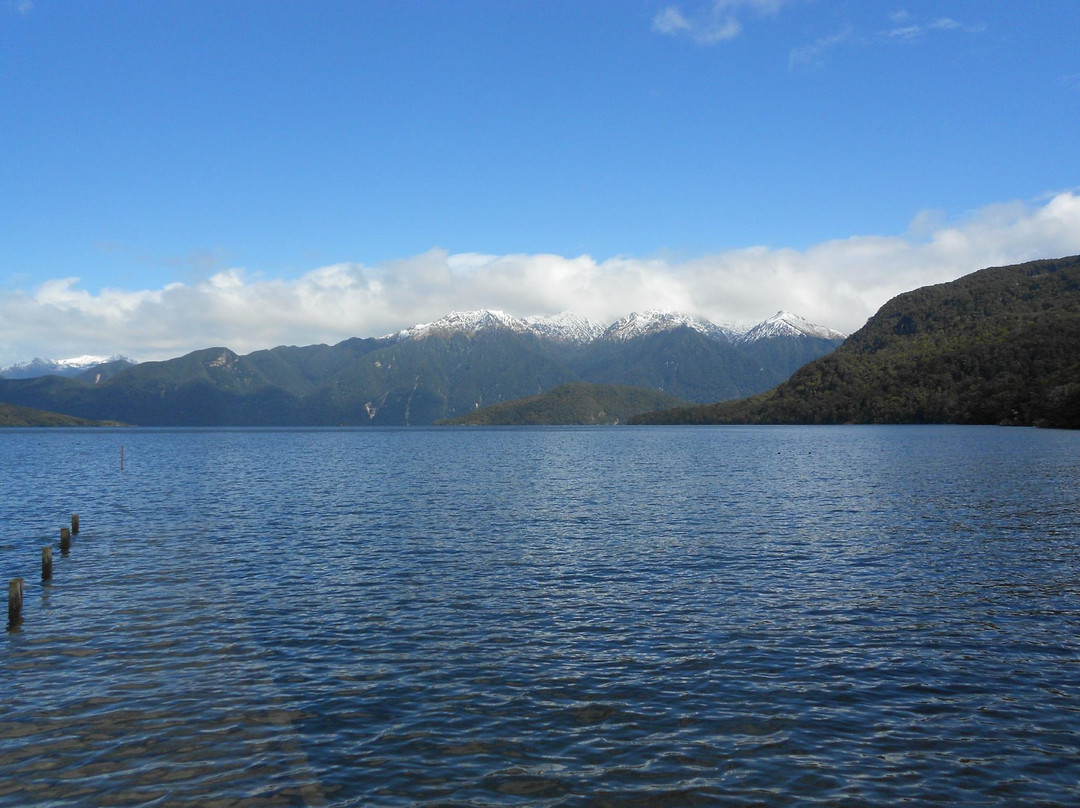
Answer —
74 523
65 539
46 563
14 601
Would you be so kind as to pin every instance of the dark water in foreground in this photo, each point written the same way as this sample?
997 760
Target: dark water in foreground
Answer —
653 617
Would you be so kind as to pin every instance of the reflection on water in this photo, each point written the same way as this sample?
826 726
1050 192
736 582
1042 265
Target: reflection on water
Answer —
743 616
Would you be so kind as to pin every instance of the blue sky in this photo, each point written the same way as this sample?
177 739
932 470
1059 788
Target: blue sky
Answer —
181 174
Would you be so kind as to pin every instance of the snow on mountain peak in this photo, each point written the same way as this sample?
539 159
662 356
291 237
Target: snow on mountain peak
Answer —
565 327
572 328
33 368
468 322
88 361
653 321
787 324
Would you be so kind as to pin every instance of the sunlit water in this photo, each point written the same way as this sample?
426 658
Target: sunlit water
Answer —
618 616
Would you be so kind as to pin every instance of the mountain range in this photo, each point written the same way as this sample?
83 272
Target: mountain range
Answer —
433 371
90 368
998 346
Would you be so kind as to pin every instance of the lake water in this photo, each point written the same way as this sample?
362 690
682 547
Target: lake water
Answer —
616 616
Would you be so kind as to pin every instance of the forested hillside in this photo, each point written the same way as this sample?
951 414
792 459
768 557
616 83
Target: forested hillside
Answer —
579 403
999 346
11 415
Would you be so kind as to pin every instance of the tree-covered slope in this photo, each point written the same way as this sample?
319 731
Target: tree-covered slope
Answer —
999 346
778 358
419 381
577 403
10 415
682 362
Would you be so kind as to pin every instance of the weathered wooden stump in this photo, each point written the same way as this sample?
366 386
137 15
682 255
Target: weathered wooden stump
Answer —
46 563
74 523
65 539
14 601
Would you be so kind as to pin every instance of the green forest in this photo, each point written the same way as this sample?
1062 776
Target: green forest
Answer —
578 403
10 415
998 346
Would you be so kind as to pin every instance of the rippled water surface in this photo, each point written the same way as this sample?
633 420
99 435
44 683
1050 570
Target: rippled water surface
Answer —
654 617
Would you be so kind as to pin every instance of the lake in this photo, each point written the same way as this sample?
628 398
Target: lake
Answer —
843 616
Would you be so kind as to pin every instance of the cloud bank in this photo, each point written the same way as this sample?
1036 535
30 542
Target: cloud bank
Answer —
836 283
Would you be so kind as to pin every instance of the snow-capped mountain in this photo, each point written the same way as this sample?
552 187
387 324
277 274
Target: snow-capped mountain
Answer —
579 330
564 327
641 324
786 324
467 322
36 367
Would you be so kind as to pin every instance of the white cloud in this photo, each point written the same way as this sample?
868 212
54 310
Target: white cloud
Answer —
906 33
915 31
836 283
813 53
905 30
947 24
711 22
671 21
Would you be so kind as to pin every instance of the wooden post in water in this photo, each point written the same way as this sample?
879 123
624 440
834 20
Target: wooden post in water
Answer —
74 523
65 539
46 563
14 602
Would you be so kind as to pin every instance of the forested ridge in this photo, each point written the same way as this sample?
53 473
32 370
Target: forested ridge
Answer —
578 403
10 415
998 346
